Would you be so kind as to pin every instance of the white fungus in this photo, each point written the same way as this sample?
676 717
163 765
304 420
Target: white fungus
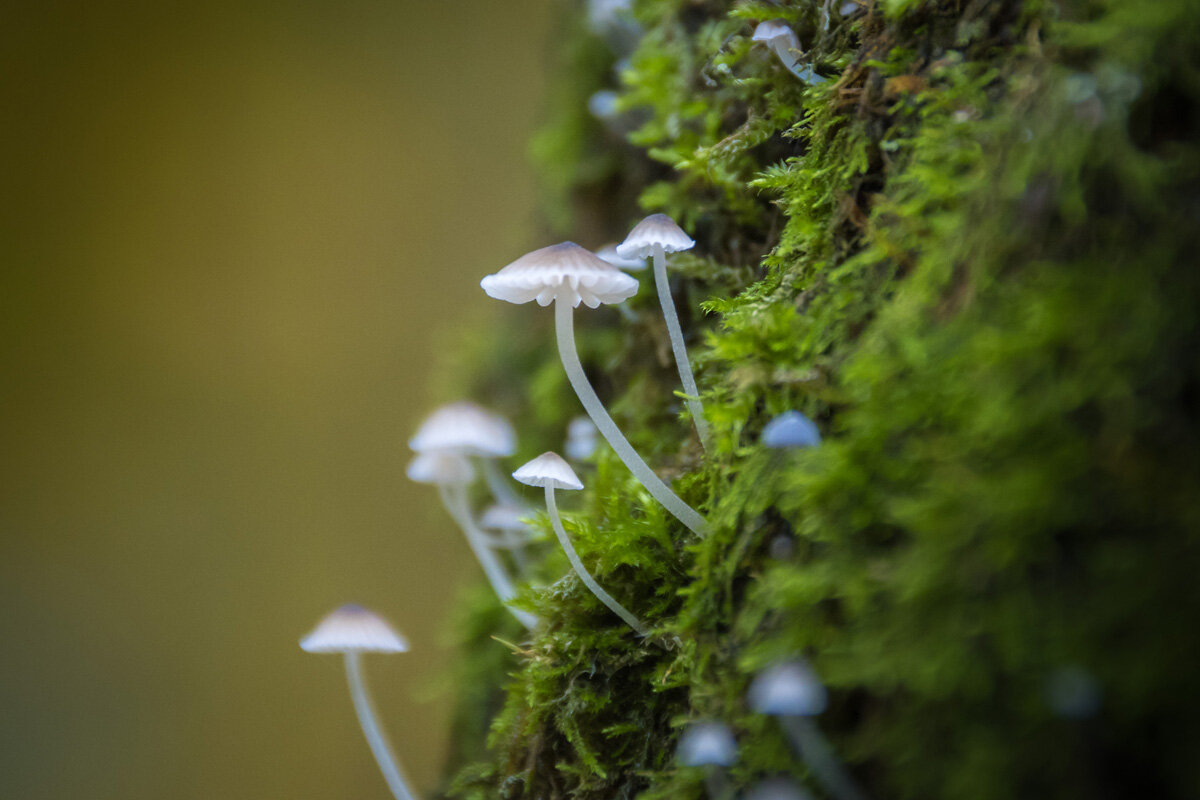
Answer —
581 438
788 688
707 744
654 237
566 275
470 430
353 630
776 35
790 429
550 472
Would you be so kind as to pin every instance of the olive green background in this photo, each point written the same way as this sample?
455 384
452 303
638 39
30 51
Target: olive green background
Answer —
232 238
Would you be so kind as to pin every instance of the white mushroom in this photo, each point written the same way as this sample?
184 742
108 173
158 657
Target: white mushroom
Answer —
783 40
550 471
451 473
581 438
655 236
511 532
790 429
710 745
566 275
353 630
792 692
471 430
609 253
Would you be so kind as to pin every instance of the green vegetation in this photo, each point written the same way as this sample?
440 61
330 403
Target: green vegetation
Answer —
969 255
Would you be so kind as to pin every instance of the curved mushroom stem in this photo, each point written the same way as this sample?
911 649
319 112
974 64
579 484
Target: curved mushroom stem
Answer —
498 485
581 570
455 500
812 748
370 725
792 63
681 357
565 330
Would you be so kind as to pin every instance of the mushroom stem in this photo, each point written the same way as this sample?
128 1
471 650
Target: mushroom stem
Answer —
455 500
370 725
565 330
792 63
716 782
498 485
676 334
581 570
811 746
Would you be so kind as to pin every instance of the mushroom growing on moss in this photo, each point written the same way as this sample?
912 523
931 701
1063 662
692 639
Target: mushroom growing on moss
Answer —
709 745
550 472
473 431
566 275
654 237
783 40
353 630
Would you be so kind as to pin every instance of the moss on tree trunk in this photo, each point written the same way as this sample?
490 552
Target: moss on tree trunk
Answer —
970 256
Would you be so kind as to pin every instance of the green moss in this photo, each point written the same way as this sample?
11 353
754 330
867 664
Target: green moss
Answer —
969 255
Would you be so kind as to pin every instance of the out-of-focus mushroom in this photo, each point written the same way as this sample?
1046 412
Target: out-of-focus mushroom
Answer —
790 429
710 745
473 431
783 40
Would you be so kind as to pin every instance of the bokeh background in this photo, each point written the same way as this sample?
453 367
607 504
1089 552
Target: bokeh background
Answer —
233 238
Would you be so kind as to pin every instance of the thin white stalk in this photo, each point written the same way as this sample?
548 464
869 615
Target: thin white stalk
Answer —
454 498
565 331
498 485
681 357
792 63
716 783
581 570
810 745
369 721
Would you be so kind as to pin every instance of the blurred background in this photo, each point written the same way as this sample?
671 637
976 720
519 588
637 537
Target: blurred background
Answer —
233 238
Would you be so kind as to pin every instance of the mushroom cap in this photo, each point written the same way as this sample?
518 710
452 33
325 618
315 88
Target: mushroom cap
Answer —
562 272
467 429
548 469
353 629
707 743
504 518
582 438
655 230
778 789
791 429
442 467
609 253
775 32
790 688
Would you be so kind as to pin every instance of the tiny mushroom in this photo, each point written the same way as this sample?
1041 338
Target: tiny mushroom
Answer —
512 532
710 745
792 692
790 429
353 630
451 473
655 236
776 35
609 253
565 274
473 431
581 438
778 789
550 471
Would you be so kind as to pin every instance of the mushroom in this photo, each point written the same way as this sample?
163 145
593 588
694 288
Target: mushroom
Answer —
792 692
353 630
581 438
609 253
471 430
451 473
777 789
550 471
776 35
790 429
655 236
512 532
710 745
566 274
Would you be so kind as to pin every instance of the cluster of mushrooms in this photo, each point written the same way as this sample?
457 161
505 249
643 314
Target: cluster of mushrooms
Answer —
460 441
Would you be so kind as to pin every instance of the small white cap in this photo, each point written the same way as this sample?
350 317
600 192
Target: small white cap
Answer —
440 467
563 272
465 428
707 743
582 438
504 518
788 689
609 253
353 629
790 429
655 230
548 469
775 32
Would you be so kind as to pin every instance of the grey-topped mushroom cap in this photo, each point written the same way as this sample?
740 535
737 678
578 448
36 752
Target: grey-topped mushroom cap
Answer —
656 230
776 33
789 689
565 273
465 428
548 469
707 744
353 629
791 429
